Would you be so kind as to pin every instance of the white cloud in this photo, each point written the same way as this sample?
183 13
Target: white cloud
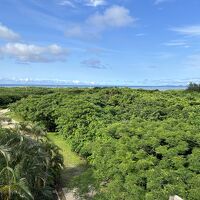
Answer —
30 81
177 43
74 3
170 82
113 17
66 3
75 30
95 3
7 34
193 30
157 2
28 53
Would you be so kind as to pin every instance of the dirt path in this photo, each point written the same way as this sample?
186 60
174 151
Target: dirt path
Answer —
73 165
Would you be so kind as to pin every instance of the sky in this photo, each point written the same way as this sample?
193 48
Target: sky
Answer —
115 42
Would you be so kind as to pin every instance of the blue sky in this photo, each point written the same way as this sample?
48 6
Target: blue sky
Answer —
117 42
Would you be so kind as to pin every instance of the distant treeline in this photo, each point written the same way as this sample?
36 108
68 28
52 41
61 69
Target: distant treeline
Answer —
11 95
194 87
140 144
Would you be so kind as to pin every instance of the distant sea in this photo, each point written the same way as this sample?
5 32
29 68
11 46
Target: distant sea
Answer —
162 88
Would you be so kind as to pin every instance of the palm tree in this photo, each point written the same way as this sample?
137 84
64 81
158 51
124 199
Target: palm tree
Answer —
4 150
28 166
9 184
37 131
14 186
31 129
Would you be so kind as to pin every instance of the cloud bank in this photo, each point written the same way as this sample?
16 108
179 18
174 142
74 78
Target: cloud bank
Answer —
8 34
28 53
112 17
193 30
95 3
73 3
157 2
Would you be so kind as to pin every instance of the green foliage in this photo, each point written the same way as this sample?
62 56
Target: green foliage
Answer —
194 87
11 95
140 144
71 159
29 169
155 159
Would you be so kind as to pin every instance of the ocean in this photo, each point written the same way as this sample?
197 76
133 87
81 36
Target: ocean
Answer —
161 88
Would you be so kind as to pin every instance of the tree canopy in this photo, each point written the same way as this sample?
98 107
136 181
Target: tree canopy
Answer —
139 144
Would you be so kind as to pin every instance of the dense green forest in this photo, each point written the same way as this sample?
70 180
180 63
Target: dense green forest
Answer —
10 95
139 144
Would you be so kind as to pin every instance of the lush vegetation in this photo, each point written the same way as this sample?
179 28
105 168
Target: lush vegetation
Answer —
70 159
74 165
29 168
10 95
139 144
194 87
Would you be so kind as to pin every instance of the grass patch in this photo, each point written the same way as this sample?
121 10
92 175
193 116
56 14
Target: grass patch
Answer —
74 164
71 159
